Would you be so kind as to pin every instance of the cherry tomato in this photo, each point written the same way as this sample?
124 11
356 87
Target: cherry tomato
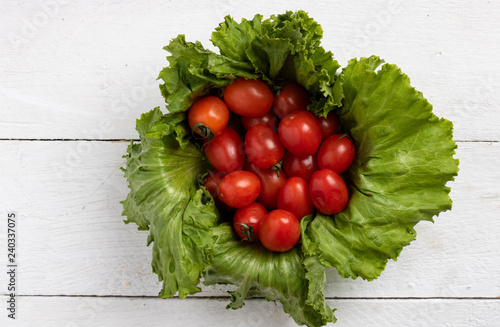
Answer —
270 184
294 197
328 192
248 97
239 188
225 152
246 221
329 125
336 153
279 231
300 133
263 147
268 119
292 97
208 115
302 167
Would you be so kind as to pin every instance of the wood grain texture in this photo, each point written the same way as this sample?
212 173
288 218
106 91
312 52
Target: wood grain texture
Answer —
73 240
87 70
98 311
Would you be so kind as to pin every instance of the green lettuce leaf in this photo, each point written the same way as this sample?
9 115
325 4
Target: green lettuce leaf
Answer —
233 39
164 197
282 48
403 162
172 124
186 78
290 277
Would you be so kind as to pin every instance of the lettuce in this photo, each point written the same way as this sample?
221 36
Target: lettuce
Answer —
283 48
164 198
295 280
404 161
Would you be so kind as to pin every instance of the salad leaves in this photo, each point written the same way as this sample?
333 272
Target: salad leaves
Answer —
164 198
295 280
404 160
283 48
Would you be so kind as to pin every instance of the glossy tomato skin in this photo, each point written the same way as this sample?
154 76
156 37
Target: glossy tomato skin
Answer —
279 231
300 133
302 167
246 221
294 197
248 97
329 125
211 112
268 119
336 153
225 152
239 188
292 97
328 192
263 146
270 184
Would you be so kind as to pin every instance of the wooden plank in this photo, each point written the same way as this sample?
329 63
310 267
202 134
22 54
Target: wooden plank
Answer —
105 311
72 240
55 86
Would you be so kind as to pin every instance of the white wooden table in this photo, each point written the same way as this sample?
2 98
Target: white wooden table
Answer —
74 76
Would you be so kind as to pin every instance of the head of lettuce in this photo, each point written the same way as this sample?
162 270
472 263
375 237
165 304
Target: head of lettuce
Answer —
404 161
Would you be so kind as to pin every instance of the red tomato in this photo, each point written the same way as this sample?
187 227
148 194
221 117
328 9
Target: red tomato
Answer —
292 97
225 152
294 197
208 115
329 125
263 147
336 153
279 231
246 221
239 188
248 97
302 167
269 119
328 192
300 133
270 184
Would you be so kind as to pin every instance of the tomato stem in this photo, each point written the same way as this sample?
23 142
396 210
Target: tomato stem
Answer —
203 177
247 230
276 87
277 167
203 130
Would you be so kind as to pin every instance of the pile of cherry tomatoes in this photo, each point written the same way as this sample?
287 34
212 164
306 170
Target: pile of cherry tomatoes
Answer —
282 168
